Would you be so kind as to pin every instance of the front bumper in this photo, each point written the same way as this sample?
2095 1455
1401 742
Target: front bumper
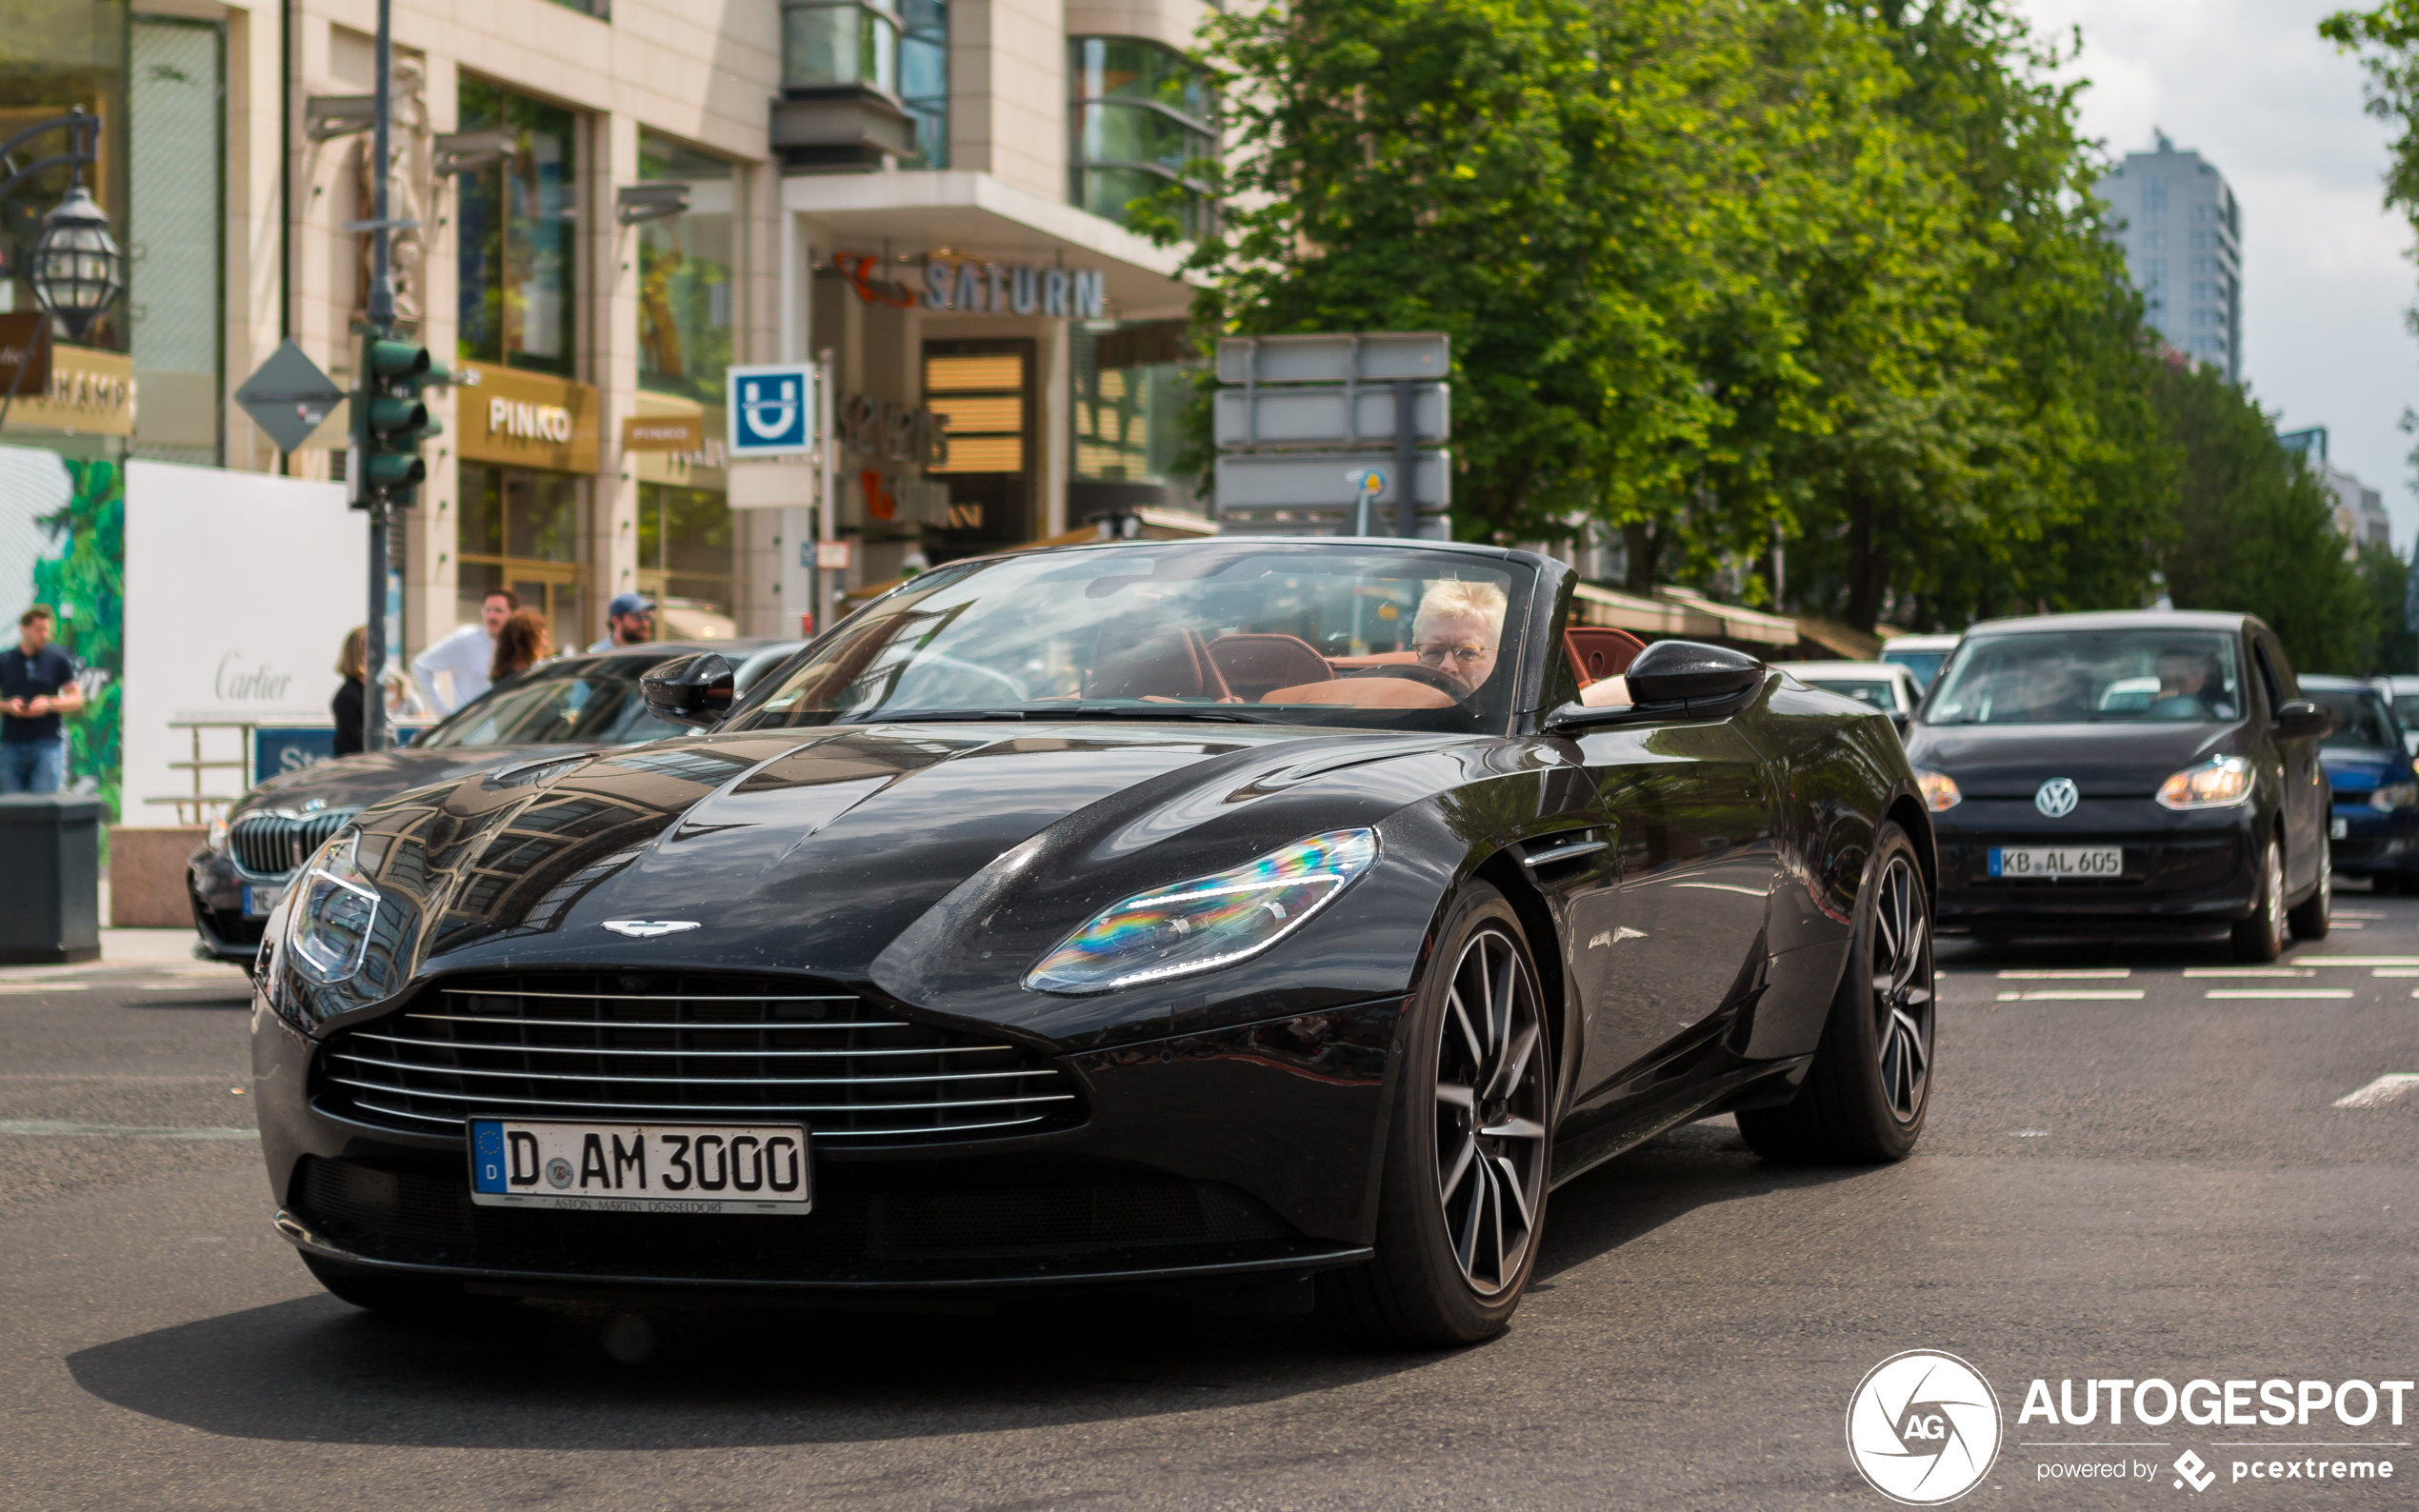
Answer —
2375 844
2183 868
214 886
1241 1153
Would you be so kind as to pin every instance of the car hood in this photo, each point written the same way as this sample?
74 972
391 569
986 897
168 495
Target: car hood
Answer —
355 782
813 851
2358 769
2108 760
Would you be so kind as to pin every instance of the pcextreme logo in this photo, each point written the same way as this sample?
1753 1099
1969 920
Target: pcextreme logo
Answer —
1923 1427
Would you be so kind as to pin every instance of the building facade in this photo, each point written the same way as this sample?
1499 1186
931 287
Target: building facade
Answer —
2181 231
2360 510
616 201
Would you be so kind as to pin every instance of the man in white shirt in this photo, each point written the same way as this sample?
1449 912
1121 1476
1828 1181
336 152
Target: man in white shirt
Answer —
465 655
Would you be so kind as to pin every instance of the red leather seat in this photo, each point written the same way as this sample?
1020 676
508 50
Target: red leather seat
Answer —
1598 651
1171 664
1254 664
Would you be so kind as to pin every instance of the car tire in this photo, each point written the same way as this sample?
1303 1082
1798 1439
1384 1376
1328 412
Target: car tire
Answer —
1461 1197
2261 938
1866 1096
2314 915
410 1297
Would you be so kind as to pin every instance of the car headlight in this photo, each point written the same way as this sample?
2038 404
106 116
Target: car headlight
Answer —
217 839
2218 784
2394 795
330 910
1939 789
1209 920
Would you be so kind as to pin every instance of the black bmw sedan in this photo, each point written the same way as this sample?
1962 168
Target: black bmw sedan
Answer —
246 859
2121 771
1282 918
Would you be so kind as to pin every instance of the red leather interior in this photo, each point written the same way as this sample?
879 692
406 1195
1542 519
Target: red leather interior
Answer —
1171 664
1254 664
1598 651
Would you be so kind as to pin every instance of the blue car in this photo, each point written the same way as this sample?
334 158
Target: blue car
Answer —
2374 828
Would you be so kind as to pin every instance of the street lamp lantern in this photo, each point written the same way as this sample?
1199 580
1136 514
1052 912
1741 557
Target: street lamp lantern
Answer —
77 270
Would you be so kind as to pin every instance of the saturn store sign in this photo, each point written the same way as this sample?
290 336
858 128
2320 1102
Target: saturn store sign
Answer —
525 419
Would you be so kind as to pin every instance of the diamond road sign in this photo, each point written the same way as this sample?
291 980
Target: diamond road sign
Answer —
288 397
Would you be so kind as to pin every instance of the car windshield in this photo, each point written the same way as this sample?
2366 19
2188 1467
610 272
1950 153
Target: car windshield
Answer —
1865 692
576 701
2407 709
1372 637
2361 719
1925 665
2136 674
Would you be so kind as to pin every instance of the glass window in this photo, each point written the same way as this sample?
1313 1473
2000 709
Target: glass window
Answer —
52 57
1923 665
685 561
1877 695
826 45
923 79
687 290
178 189
578 701
1255 633
518 225
1142 116
519 530
1130 387
2361 719
2088 676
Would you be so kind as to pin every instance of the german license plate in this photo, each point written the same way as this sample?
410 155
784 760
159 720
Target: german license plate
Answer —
2338 828
258 901
2019 861
641 1167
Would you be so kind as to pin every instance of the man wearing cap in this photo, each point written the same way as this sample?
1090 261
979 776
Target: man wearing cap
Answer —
629 620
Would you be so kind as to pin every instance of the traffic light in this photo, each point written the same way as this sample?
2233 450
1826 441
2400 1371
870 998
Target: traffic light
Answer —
394 419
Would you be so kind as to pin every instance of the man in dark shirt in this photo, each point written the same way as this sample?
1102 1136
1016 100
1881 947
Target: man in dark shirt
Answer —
37 685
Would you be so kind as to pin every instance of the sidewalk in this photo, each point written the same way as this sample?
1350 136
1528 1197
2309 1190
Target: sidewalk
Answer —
152 950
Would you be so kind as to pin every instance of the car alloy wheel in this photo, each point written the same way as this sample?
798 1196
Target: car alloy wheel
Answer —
2261 937
2315 915
1902 989
1490 1111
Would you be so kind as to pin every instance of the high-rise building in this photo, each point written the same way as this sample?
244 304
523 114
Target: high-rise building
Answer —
2360 510
2181 231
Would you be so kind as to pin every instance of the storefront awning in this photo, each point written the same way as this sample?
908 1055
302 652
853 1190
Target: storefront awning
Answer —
977 215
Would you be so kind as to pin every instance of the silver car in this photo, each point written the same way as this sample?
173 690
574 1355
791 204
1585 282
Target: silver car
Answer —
1885 686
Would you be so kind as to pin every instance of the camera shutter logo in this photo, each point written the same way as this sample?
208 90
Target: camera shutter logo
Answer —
2057 797
1923 1427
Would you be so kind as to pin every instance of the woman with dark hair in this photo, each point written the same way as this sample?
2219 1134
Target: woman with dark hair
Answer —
524 642
352 665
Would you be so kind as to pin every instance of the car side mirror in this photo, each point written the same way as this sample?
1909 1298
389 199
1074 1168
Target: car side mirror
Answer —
2302 717
1901 719
691 690
1673 680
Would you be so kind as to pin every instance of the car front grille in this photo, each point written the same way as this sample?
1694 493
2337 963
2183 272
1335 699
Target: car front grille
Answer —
268 845
631 1048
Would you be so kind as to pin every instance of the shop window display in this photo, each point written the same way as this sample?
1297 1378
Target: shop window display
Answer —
686 558
520 529
1131 388
686 285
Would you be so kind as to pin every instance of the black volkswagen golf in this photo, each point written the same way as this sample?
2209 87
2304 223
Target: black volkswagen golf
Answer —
2110 773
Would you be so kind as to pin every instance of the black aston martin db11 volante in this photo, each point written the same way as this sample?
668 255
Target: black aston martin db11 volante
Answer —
1235 915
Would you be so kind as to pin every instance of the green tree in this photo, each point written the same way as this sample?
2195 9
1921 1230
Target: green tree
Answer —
2255 529
2392 645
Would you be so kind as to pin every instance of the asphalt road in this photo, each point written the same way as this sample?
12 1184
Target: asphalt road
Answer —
2135 1169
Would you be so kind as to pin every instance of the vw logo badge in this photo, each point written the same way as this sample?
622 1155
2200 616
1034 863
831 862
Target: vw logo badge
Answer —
1923 1427
2057 798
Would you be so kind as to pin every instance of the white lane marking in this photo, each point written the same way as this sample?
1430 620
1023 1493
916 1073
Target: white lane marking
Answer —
2395 971
2093 974
2265 994
18 989
1724 886
2029 1133
2248 971
2345 923
39 1128
2074 995
2387 1088
233 988
2356 961
2356 913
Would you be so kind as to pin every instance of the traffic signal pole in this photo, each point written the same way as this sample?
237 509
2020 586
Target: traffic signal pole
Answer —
382 325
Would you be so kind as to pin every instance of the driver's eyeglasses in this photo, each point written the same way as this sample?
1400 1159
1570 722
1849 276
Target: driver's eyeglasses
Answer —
1437 653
